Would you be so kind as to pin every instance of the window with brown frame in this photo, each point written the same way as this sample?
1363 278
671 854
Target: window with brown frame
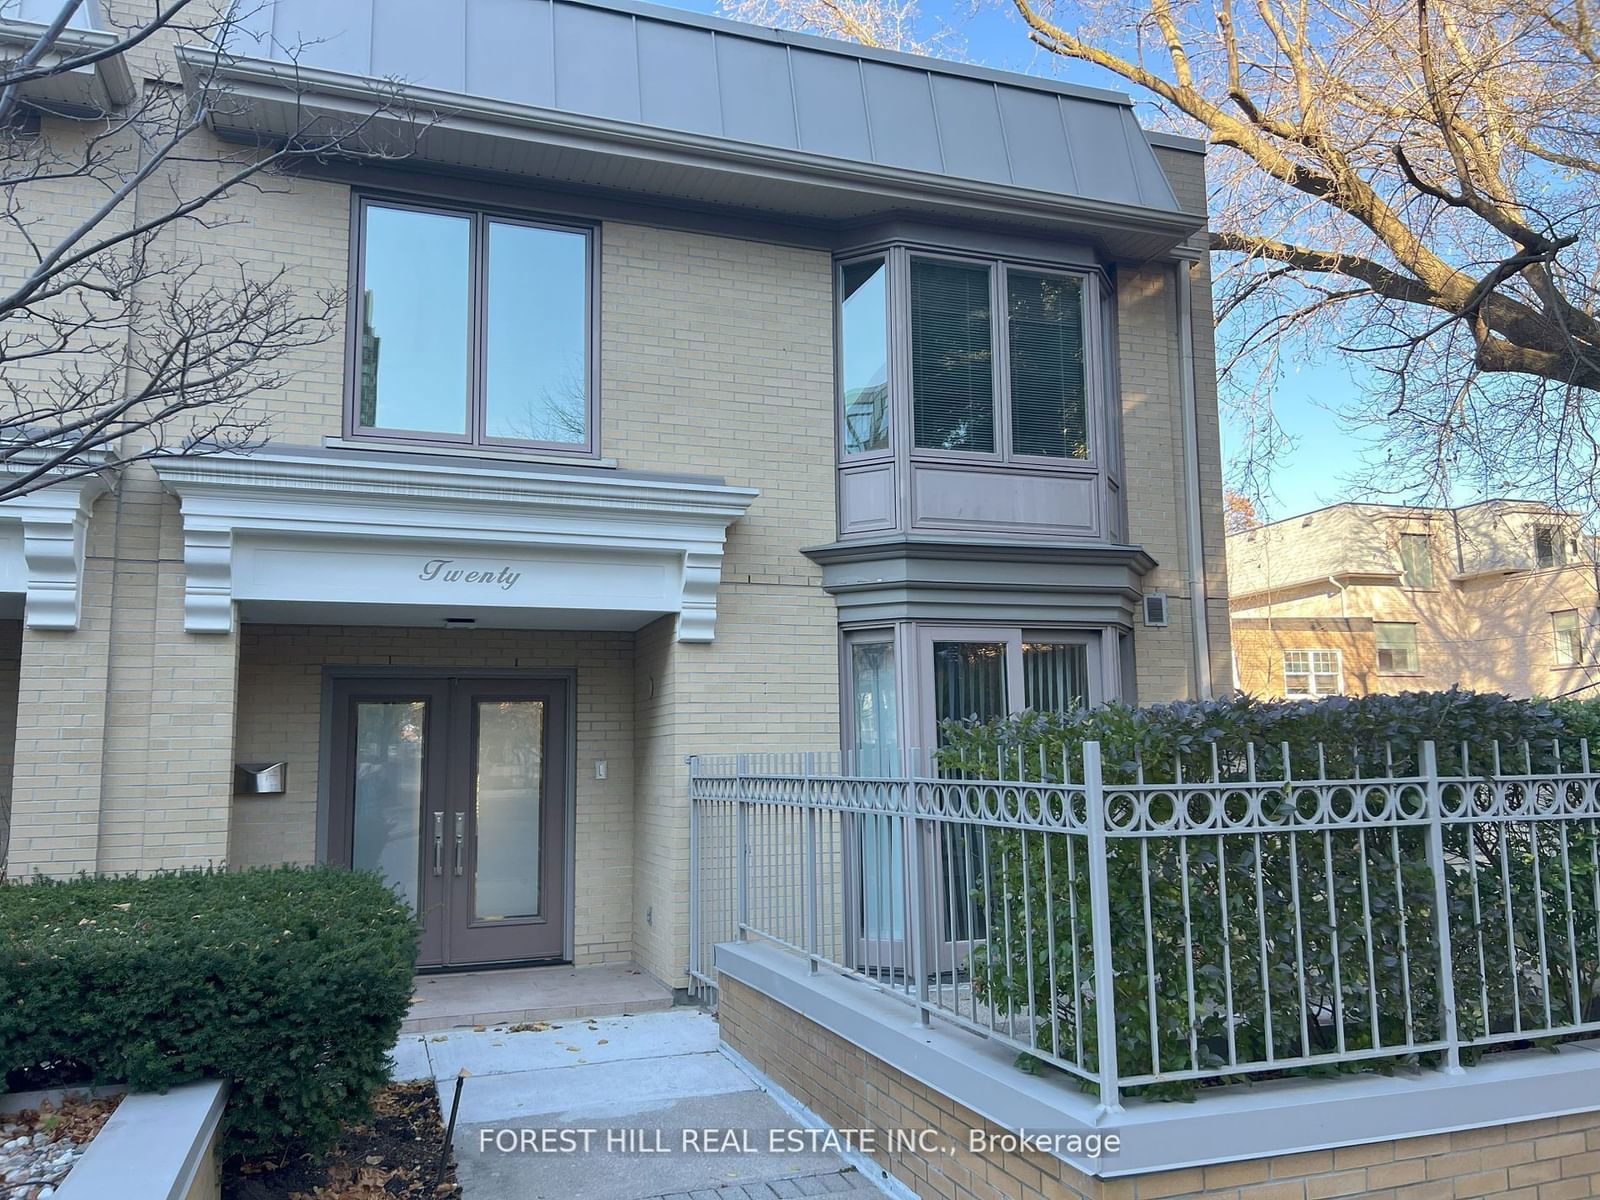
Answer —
472 328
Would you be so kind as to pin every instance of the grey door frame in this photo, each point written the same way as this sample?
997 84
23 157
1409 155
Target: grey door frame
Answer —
567 676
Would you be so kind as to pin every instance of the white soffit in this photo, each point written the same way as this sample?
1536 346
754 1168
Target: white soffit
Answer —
303 534
42 536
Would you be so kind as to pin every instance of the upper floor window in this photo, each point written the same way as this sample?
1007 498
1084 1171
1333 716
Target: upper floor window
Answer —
1416 560
1033 398
994 355
474 329
1549 546
1313 673
864 354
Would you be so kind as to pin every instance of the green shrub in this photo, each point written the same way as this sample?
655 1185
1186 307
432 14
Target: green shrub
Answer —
1249 955
289 983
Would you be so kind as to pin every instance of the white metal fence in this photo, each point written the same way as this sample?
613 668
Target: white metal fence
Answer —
1157 934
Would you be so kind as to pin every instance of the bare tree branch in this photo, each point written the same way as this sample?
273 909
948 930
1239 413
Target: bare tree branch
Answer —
131 332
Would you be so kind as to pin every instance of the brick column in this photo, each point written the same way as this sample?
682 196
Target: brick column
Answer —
124 743
61 711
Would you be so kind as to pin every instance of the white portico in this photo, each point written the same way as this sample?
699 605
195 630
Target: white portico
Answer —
443 655
315 536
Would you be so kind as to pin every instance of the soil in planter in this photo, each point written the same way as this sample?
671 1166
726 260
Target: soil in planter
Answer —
392 1157
39 1146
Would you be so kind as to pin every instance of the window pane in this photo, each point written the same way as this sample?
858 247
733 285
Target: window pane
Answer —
864 355
1568 640
952 359
969 680
1048 405
1397 647
872 681
1416 563
387 834
1549 547
508 786
536 375
1055 678
414 321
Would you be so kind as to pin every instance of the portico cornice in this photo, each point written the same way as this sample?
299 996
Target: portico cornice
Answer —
302 504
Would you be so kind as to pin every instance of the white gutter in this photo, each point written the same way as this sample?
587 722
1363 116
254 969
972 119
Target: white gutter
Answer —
1191 483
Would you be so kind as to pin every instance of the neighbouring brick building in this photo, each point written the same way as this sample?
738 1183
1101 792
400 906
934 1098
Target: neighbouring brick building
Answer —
655 429
1360 598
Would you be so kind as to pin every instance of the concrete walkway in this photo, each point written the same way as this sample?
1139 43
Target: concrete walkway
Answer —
617 1108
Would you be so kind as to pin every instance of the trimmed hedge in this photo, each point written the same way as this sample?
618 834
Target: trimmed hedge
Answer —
1355 733
290 983
1247 955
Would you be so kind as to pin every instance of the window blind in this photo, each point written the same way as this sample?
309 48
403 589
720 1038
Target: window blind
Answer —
1045 337
952 357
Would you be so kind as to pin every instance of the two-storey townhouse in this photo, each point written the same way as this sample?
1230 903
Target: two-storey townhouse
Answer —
1498 595
702 387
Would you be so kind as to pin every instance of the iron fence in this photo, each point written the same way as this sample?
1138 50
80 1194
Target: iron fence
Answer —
1157 934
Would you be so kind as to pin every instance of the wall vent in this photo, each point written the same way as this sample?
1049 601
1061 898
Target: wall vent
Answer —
1155 608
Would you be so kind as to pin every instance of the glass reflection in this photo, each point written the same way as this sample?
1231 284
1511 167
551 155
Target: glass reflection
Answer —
388 791
509 787
415 318
536 373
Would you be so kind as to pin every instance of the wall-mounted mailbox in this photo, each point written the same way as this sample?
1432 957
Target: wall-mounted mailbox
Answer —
260 779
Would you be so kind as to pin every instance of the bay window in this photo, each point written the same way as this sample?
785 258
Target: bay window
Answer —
994 357
473 328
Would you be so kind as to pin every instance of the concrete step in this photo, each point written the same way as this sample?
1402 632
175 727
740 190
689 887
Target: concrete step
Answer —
523 995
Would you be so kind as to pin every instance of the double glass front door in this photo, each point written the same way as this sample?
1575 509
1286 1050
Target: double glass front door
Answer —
453 789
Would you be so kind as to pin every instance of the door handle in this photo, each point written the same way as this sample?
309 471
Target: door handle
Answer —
438 843
461 839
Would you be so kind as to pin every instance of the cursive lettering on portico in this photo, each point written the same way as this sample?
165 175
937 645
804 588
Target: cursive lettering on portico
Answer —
441 570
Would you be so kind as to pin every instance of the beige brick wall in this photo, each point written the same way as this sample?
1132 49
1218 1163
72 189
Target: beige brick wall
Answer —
281 671
717 356
1551 1159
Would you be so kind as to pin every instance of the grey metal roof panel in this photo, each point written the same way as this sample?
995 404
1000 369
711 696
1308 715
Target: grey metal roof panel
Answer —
511 40
628 61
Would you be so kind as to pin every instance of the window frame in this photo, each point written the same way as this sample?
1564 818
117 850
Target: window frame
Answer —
1416 652
1097 305
1013 636
481 216
891 342
1405 577
1311 672
1580 657
1562 549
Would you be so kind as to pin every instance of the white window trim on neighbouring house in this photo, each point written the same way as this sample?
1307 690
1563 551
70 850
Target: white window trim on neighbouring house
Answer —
1567 640
1311 675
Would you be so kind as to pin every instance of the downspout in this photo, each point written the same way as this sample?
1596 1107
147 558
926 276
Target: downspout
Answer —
1191 483
1344 611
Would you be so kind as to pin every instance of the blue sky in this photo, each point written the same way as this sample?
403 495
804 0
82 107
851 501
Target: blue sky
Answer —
1313 473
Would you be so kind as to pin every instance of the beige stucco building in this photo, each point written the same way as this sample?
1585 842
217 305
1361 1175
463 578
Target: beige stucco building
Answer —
721 475
1359 598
